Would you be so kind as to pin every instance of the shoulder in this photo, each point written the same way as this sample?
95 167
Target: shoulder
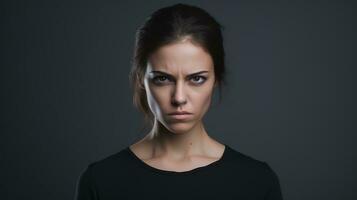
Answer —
254 175
245 165
106 166
237 157
101 174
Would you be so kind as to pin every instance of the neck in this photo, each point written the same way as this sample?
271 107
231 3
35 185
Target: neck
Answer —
177 145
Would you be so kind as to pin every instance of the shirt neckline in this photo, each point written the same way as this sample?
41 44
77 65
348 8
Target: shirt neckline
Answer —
168 172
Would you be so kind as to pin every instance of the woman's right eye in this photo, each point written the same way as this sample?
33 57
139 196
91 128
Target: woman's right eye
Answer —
160 79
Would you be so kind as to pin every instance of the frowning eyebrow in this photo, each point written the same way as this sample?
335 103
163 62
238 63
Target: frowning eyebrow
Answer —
193 74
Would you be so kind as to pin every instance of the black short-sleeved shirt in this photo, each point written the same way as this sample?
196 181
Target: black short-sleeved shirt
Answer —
124 176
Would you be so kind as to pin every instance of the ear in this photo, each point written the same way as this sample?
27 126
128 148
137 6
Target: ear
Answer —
215 84
141 84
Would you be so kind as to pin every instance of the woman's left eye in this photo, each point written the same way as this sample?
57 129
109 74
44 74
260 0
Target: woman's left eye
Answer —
198 78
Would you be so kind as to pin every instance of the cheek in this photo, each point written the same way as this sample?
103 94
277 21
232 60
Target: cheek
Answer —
156 99
202 101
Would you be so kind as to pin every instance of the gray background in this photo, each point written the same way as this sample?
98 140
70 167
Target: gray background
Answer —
66 101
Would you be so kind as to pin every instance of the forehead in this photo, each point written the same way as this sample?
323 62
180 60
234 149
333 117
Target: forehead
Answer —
180 56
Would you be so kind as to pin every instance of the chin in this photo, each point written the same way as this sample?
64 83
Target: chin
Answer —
179 127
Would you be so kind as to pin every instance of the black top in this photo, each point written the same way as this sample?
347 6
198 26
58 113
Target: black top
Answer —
124 176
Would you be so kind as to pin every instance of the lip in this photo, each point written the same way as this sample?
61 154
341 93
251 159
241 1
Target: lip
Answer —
180 113
180 116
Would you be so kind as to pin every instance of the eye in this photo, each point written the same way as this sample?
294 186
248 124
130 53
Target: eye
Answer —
199 79
163 79
160 79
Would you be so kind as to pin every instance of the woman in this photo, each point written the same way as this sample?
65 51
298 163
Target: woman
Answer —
178 63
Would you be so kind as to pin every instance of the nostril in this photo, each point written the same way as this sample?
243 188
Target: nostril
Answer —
177 102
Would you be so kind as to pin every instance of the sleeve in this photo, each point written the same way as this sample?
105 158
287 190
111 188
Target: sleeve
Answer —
85 189
274 192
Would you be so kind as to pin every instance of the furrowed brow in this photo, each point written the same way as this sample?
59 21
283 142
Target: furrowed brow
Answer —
193 74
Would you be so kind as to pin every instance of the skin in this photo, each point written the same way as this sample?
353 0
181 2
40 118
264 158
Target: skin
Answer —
172 144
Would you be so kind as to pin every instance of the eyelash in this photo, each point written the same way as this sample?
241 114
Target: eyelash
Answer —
156 79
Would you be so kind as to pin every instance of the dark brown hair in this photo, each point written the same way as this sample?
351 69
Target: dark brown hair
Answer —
169 25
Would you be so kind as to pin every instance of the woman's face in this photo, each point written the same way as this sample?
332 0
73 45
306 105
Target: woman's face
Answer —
179 77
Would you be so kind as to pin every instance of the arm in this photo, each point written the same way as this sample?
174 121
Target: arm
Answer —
85 189
274 192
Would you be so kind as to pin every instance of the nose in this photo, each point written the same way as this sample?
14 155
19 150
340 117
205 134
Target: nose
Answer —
179 97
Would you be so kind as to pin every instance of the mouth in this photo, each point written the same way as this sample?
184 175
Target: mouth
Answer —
180 116
180 113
